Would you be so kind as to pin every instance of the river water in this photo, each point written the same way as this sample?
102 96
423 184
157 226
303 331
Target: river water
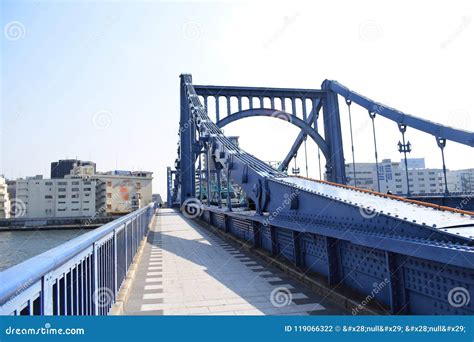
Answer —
17 246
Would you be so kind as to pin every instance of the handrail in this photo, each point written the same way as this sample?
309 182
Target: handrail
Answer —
13 279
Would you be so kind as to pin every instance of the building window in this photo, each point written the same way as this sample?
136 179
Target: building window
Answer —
48 183
75 183
75 189
61 209
62 196
48 197
109 195
109 206
75 196
87 189
61 189
109 183
62 183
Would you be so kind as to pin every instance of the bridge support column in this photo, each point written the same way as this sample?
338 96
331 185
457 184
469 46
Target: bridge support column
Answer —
332 260
335 167
398 298
297 249
169 181
256 234
186 151
274 250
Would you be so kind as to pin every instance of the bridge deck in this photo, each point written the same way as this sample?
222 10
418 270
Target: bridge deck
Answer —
186 270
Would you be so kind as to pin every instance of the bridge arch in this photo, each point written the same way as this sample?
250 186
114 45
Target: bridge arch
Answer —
278 114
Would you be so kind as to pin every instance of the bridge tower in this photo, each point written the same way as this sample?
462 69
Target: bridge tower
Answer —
187 144
335 166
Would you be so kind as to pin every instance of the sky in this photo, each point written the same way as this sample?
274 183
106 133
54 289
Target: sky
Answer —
99 80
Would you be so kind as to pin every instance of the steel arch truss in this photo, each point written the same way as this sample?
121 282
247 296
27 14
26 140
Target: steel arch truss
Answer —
352 237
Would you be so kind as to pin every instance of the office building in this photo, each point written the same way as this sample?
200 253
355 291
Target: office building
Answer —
392 177
66 197
62 168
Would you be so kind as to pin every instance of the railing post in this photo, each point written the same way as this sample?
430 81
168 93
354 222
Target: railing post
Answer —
95 281
115 265
47 295
125 246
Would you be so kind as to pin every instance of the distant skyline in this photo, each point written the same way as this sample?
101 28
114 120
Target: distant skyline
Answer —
100 80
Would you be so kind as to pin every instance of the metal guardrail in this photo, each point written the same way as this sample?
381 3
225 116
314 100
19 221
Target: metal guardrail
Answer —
80 277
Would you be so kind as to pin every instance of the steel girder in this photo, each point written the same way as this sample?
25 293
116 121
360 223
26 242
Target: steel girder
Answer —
404 275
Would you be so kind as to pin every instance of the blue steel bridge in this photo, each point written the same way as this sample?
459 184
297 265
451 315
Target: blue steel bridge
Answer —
247 238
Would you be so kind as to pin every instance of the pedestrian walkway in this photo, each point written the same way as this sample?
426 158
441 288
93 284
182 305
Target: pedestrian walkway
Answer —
187 270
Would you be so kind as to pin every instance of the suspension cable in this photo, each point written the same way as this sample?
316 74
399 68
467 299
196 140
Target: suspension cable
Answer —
349 102
372 116
229 202
306 155
208 176
200 176
296 170
442 144
404 148
319 150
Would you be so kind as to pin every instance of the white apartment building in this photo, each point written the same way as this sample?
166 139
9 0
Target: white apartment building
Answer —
4 199
392 177
461 180
66 197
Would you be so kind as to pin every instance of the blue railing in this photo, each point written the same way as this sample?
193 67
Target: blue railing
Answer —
80 277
